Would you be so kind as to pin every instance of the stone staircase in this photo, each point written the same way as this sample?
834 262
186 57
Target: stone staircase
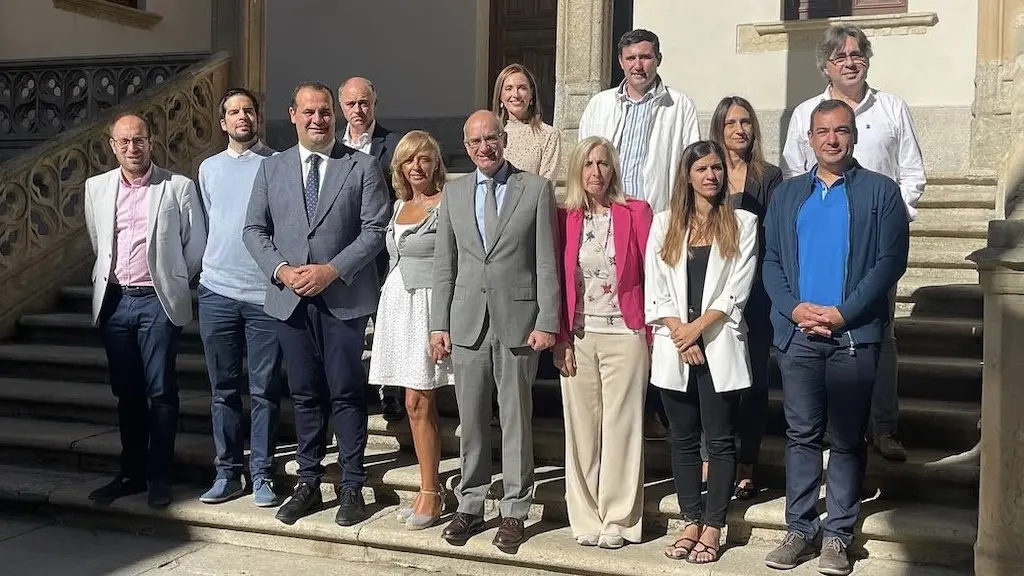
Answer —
58 438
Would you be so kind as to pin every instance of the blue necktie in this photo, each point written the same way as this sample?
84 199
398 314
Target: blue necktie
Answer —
312 186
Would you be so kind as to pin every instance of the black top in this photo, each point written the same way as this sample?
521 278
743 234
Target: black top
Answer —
696 271
754 199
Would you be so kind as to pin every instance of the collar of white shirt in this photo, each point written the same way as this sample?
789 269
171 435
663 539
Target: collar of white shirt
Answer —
257 147
500 177
869 98
362 141
305 153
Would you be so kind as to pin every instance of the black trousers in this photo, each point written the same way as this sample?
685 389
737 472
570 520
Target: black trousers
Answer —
701 409
753 410
142 345
323 362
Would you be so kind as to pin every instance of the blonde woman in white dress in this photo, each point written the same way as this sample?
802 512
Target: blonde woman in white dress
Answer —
401 334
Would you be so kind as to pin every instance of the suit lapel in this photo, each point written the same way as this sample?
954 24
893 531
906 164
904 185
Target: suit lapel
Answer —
716 266
513 194
464 201
338 167
157 187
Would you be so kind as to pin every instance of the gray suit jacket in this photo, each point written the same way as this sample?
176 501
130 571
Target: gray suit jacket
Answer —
346 232
515 282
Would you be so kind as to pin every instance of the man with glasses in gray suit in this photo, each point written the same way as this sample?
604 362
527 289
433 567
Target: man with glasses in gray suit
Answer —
495 306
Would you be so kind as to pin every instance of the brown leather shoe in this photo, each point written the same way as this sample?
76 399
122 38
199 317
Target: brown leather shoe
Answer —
462 527
510 534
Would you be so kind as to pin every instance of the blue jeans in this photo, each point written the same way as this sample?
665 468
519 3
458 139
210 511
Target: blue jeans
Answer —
232 330
824 380
142 345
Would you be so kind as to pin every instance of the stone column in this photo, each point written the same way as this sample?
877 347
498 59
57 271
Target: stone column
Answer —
999 550
251 59
991 128
582 63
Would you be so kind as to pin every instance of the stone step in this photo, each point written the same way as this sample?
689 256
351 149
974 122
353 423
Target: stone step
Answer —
939 218
937 336
923 423
931 252
958 196
549 549
939 293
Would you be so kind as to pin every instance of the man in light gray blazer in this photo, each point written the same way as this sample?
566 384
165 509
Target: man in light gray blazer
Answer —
315 224
495 307
147 230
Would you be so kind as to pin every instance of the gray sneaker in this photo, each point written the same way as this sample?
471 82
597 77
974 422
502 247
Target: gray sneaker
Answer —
793 551
833 560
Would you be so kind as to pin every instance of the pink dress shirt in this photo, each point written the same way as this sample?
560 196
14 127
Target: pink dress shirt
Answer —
131 219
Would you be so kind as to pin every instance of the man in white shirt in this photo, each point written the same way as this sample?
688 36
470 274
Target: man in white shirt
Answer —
650 125
887 144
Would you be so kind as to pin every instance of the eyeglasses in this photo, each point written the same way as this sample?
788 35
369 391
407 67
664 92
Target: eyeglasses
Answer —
840 59
490 139
138 141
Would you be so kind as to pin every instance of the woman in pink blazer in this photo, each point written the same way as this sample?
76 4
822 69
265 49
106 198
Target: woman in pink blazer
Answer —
602 351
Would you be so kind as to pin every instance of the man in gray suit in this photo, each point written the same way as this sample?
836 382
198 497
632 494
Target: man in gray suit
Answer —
495 307
315 223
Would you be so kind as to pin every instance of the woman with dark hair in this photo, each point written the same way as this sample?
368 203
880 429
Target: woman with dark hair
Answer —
735 128
700 264
532 146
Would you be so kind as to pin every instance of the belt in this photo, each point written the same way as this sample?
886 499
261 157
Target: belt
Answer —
134 290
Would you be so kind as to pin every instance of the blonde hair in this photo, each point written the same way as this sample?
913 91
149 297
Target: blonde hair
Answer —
576 197
534 110
721 225
412 144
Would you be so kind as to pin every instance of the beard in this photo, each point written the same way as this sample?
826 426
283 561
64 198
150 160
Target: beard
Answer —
242 138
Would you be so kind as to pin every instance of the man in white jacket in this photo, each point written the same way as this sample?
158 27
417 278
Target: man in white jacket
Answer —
648 122
650 125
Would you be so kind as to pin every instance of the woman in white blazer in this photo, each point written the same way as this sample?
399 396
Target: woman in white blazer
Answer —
700 264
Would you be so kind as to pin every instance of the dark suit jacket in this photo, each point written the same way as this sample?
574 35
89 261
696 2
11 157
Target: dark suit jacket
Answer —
347 230
382 147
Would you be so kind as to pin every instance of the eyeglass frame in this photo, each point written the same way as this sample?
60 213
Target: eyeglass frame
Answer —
492 139
841 58
139 141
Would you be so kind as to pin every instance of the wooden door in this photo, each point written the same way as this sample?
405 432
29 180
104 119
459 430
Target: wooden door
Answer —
523 31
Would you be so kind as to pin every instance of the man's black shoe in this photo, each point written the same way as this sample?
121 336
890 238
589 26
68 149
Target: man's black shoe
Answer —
159 495
116 488
305 500
351 507
462 527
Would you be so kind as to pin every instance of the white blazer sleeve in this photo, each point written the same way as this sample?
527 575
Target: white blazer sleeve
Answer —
794 151
741 274
90 212
910 164
658 300
587 127
193 228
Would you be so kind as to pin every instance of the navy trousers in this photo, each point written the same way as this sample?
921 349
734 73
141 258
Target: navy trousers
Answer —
323 363
232 330
826 380
141 345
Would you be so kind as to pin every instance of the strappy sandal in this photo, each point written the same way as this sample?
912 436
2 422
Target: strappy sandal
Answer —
423 521
677 552
705 549
747 492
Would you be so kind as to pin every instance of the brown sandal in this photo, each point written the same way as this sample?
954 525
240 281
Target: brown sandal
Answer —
705 549
677 552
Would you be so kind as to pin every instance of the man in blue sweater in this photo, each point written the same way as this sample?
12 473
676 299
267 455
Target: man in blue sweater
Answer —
231 317
836 242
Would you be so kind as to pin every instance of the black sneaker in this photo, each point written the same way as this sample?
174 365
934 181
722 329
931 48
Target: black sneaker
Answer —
116 488
159 494
351 507
392 409
305 500
793 551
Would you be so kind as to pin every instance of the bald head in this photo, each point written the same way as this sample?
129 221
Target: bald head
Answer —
358 100
130 142
485 141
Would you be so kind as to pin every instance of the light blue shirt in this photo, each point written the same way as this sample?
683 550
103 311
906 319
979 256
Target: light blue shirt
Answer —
500 185
634 135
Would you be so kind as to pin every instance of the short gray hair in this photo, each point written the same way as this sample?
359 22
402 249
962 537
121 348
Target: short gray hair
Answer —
833 40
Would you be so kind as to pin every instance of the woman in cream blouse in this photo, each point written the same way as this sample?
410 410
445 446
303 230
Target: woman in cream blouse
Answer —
533 146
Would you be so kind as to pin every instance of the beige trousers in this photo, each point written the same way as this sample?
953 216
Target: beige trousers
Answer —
604 446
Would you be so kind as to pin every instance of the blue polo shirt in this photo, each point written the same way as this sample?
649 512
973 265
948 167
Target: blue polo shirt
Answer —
823 243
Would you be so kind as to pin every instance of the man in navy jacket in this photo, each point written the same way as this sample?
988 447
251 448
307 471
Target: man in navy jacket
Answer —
836 242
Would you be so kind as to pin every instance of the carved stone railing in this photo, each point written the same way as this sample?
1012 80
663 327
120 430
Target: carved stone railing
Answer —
43 241
42 98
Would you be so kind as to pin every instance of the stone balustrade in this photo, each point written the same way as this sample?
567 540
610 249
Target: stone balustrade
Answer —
43 239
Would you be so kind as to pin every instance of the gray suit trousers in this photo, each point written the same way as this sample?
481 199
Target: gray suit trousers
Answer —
478 369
